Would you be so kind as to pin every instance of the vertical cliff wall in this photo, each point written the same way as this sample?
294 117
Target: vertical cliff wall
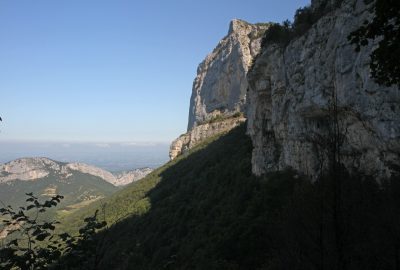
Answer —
220 85
290 100
219 90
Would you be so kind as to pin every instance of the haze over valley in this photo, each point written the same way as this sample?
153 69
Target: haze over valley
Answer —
109 156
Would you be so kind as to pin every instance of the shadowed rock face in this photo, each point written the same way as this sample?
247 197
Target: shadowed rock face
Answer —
219 89
290 91
31 169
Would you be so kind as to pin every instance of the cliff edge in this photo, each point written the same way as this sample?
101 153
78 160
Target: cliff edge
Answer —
218 98
292 90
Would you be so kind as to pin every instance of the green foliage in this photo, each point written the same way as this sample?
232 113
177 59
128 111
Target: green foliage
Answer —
130 201
33 244
77 190
207 211
82 251
304 18
237 114
280 34
385 27
221 117
24 251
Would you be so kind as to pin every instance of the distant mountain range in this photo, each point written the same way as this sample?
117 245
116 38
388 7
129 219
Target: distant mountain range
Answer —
79 183
29 169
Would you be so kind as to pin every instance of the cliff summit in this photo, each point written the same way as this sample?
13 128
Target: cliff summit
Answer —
218 98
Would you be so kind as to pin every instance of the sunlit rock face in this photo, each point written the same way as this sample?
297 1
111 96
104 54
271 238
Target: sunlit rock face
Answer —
291 94
220 85
201 132
219 89
27 169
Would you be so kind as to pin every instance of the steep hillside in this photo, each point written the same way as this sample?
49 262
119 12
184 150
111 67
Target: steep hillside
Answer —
205 210
44 178
132 199
79 183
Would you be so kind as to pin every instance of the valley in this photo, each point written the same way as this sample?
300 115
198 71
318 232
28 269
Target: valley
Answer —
79 183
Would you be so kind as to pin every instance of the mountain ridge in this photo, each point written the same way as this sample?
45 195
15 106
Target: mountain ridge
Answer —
33 168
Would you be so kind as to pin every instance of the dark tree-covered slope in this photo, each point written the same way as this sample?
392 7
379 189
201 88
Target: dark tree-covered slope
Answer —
206 211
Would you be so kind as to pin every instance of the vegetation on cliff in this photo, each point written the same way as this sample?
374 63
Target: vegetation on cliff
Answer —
384 27
304 18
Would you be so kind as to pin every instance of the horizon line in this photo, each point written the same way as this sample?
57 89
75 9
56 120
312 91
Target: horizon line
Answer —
126 142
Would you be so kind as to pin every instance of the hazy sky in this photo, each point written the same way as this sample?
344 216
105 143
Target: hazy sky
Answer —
115 70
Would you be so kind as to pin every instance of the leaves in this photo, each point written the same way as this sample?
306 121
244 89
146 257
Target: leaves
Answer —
42 236
23 252
36 245
385 26
304 18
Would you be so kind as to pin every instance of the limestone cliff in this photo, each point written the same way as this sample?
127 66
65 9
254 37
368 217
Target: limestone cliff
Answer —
291 89
220 85
219 89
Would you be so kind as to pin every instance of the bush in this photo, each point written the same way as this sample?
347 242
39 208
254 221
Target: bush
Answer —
280 34
27 234
33 244
220 118
304 18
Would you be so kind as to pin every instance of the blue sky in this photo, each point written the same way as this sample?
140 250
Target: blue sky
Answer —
110 71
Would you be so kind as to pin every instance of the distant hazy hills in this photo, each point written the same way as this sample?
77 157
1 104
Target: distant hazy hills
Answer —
79 183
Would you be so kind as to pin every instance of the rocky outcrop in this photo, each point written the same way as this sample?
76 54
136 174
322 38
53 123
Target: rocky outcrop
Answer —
220 85
27 169
92 170
127 177
201 132
219 89
290 100
31 169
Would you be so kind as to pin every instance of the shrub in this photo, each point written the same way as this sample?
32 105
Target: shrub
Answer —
304 18
278 33
33 244
237 114
27 231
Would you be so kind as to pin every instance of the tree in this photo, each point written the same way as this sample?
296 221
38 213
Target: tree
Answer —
33 244
83 251
27 231
385 27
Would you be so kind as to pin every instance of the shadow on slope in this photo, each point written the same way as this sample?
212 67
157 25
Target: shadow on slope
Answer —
207 211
